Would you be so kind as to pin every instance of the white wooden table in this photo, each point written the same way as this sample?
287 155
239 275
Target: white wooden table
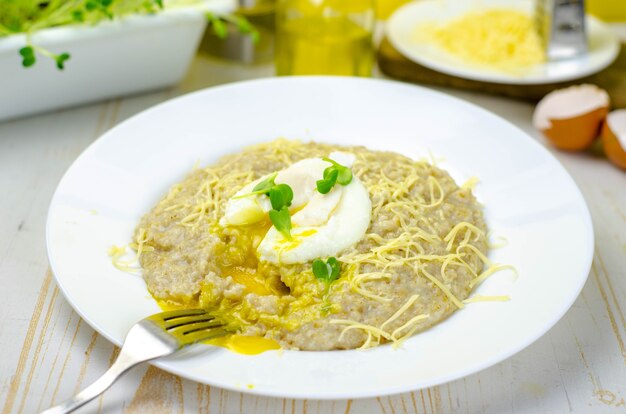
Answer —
47 352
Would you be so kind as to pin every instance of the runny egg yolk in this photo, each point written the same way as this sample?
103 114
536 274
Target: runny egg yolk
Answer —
248 278
242 263
296 240
247 345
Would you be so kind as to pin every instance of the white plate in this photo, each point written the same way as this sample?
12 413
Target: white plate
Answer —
403 26
529 199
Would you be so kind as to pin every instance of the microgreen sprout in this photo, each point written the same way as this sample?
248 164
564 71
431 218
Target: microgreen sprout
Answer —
28 56
243 25
327 271
218 25
281 196
264 186
334 174
60 60
282 221
330 178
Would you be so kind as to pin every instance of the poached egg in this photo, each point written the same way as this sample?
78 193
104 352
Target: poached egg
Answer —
322 224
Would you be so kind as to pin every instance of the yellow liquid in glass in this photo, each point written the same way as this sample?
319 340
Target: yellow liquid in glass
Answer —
323 46
607 10
385 8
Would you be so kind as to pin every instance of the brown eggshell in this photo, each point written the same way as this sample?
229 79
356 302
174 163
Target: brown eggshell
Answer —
571 118
612 146
575 134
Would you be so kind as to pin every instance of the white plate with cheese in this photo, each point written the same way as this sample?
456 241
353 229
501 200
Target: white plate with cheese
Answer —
410 31
528 196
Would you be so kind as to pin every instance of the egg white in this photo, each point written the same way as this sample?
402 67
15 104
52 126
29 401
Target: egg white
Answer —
323 224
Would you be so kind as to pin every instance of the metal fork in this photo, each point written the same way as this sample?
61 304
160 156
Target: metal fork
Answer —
153 337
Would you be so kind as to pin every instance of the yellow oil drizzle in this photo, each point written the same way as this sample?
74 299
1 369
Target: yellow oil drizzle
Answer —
247 345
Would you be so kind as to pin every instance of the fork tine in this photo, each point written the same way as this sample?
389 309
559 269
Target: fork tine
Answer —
203 335
176 322
166 316
199 326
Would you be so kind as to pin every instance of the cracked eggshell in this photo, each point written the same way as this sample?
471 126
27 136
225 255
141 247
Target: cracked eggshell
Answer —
571 118
614 137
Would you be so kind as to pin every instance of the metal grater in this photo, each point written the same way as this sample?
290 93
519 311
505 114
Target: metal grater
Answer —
561 25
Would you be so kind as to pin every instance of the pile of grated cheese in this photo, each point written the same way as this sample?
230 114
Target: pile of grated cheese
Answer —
500 39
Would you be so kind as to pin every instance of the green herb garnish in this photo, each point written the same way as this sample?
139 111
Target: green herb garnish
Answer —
326 271
28 56
263 187
282 221
281 196
330 178
60 60
334 174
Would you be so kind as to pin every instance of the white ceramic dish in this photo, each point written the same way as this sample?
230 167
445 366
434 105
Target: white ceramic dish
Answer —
529 199
133 54
402 31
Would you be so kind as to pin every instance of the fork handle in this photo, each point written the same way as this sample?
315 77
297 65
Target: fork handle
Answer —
123 363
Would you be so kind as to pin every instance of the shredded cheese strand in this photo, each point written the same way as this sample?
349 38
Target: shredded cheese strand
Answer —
443 288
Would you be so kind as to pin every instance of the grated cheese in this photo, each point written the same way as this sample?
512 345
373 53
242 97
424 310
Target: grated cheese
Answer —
501 39
117 254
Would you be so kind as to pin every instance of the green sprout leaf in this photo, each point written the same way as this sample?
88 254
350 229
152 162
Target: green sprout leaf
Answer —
282 221
281 196
60 60
336 173
331 173
320 269
330 178
244 26
327 271
28 56
345 176
264 186
219 28
78 16
335 268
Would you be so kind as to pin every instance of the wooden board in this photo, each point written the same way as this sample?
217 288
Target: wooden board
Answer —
395 65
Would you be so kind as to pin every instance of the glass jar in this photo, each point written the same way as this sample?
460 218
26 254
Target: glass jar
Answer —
608 10
385 8
324 37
